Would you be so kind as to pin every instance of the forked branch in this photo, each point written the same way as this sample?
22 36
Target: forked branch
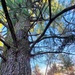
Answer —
11 28
50 21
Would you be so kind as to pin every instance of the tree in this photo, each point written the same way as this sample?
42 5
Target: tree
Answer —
37 70
52 70
66 61
67 64
33 28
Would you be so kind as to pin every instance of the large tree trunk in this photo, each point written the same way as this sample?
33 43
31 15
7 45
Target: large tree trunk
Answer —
17 63
18 59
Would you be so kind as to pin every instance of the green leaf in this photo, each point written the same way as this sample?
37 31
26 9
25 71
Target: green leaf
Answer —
9 3
19 1
25 11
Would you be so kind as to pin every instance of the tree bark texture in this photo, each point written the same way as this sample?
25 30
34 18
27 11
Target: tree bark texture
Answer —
17 63
18 59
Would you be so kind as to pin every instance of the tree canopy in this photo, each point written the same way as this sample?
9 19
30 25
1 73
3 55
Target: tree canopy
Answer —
51 30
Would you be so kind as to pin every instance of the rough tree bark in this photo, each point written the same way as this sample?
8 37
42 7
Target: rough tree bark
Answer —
18 59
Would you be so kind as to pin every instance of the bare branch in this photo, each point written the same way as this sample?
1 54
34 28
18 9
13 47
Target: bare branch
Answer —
68 21
9 22
55 36
50 21
56 52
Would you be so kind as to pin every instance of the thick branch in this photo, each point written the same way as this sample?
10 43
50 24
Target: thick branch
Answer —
9 22
50 21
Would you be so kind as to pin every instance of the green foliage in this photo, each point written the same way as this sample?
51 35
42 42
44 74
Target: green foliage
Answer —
18 5
40 27
72 1
56 7
19 1
25 10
